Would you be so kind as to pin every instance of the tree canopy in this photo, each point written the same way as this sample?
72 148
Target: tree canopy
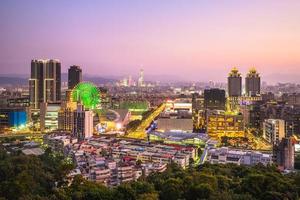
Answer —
32 177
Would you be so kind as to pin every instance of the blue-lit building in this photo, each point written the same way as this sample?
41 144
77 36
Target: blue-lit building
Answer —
17 118
12 118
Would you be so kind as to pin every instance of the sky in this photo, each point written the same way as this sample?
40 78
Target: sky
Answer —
196 40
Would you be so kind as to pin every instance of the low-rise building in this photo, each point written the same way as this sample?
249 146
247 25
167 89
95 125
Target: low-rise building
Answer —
226 155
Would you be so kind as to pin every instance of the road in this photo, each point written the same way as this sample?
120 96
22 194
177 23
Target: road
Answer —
20 134
260 143
140 131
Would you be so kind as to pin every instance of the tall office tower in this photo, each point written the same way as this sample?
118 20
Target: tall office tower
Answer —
44 82
252 83
141 78
214 99
74 76
83 123
284 153
234 83
274 130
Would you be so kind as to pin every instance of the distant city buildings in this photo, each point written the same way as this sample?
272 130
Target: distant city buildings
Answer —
130 82
141 82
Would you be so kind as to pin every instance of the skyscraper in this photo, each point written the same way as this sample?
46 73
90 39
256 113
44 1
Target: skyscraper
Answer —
234 83
252 83
214 99
44 82
74 76
141 78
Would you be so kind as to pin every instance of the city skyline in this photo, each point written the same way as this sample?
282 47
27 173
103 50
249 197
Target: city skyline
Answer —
149 99
119 38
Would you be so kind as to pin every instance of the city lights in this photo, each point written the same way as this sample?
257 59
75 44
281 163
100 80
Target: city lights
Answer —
154 100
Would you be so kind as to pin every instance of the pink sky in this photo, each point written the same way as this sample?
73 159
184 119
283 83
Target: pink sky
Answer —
195 40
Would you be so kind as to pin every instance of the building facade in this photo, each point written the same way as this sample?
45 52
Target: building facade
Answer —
214 99
65 119
284 153
252 83
234 83
12 118
223 124
49 116
274 130
83 123
74 76
225 155
44 82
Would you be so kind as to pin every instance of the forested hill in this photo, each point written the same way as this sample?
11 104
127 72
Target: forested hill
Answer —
29 177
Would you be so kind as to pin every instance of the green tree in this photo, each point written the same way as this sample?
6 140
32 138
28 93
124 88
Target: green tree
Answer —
171 189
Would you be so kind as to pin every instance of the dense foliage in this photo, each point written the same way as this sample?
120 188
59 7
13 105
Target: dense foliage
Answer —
31 177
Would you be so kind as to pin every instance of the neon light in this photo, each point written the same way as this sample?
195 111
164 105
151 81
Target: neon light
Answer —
87 94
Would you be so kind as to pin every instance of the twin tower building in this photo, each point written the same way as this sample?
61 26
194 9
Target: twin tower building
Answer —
45 81
252 83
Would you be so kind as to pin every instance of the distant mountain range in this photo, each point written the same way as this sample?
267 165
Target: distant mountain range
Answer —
22 79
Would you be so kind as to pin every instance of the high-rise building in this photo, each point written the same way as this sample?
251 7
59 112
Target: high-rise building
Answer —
83 123
252 83
141 79
74 76
284 153
274 130
44 82
234 83
214 99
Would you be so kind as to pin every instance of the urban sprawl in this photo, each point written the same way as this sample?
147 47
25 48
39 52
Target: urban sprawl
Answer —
119 131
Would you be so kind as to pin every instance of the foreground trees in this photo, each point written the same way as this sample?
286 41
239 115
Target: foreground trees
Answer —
30 177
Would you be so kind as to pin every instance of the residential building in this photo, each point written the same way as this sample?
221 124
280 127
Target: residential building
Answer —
274 130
